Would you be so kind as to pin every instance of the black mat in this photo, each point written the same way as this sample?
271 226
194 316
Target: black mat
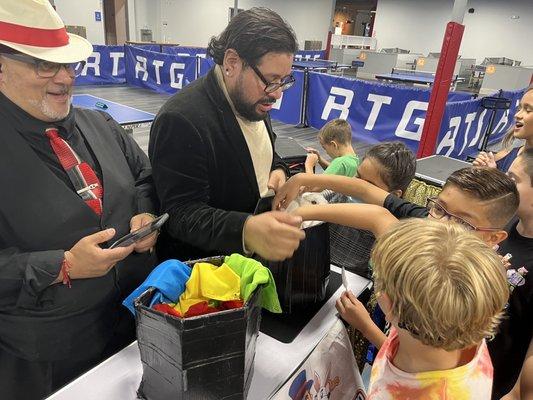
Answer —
285 327
289 149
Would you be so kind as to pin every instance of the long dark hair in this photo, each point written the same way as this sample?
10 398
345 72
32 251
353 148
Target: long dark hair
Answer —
254 33
508 139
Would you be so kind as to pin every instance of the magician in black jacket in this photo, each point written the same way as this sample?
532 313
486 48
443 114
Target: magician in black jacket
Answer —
206 169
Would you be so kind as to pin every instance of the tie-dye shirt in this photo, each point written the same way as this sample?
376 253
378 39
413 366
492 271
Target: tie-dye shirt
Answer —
472 381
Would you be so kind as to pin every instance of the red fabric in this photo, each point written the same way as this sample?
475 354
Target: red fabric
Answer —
69 160
204 308
65 269
231 304
33 36
165 308
200 308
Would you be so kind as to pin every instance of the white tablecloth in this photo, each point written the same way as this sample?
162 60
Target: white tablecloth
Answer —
118 377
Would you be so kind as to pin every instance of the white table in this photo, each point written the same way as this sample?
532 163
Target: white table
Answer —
118 377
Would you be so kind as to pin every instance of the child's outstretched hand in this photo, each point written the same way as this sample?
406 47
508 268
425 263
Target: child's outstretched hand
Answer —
287 192
311 160
312 151
354 312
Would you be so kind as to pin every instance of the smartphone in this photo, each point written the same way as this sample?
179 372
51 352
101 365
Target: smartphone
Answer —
141 233
264 204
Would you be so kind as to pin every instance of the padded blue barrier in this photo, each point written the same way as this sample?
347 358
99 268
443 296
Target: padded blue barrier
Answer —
377 112
160 72
380 112
287 108
104 66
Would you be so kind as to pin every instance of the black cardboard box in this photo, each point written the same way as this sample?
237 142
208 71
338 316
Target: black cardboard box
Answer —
302 279
199 358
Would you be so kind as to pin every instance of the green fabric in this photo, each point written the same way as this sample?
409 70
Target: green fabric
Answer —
344 165
253 274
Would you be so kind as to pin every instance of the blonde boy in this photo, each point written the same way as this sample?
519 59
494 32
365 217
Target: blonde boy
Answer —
336 138
443 291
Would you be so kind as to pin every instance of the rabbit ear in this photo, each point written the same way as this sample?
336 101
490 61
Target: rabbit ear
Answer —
328 371
316 384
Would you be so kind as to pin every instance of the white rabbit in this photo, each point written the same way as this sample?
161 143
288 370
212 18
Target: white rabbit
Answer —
324 392
306 199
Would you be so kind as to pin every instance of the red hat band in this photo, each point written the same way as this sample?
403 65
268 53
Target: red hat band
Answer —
37 37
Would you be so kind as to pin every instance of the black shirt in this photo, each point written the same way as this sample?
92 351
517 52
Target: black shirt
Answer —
33 131
401 208
509 347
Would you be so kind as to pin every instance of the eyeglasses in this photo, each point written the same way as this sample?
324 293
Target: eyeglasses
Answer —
437 211
48 69
285 82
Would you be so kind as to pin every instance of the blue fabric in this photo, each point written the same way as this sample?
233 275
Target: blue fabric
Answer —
169 278
504 163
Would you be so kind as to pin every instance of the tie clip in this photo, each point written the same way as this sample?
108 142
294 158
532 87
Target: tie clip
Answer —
87 188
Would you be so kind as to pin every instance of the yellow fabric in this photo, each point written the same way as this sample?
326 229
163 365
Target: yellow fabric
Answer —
419 191
208 282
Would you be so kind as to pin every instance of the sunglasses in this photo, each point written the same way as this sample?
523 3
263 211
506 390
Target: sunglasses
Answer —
48 69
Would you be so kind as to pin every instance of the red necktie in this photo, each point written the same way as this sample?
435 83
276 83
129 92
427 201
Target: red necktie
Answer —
87 184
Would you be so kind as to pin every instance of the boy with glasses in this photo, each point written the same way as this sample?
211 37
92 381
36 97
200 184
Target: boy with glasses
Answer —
481 199
212 147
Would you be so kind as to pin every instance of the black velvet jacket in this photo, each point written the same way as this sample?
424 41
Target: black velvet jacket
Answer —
203 172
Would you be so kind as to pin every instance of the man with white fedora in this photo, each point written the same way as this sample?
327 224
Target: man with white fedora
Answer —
71 182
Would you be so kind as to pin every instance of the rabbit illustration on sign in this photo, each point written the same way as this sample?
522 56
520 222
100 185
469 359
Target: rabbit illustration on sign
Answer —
324 388
299 389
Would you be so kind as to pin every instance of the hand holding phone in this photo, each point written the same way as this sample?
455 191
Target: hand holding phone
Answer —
141 233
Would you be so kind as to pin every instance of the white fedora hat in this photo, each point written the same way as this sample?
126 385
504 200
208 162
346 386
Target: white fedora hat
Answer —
33 27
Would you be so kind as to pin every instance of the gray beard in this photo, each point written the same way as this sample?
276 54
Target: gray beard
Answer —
46 110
